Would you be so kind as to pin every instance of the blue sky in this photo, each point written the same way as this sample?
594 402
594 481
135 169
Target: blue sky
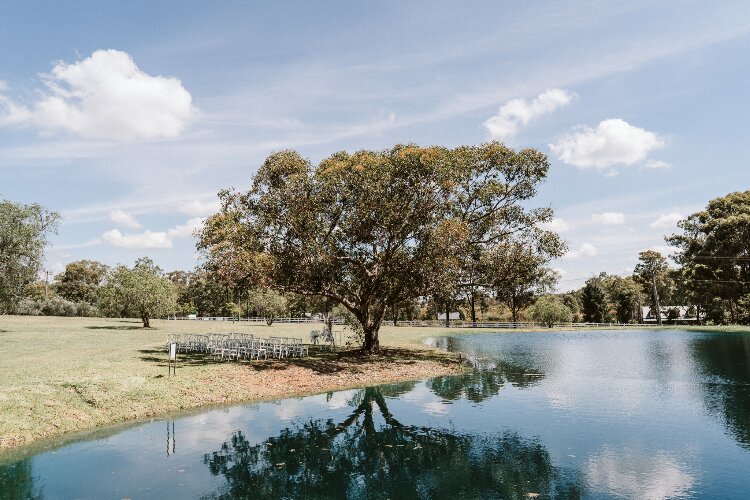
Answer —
128 117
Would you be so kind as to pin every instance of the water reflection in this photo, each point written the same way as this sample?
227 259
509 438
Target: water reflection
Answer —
490 373
634 473
371 454
17 481
171 437
726 366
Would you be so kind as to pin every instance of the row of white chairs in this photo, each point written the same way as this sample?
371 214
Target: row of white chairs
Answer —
236 346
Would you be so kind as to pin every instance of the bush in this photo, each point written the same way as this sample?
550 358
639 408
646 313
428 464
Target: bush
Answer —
29 307
55 306
550 310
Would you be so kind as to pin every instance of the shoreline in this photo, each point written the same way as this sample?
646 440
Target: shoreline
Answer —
206 385
64 376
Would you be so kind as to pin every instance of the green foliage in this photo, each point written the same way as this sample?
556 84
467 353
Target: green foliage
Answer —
81 280
549 310
141 292
375 228
571 302
518 273
594 302
715 257
55 306
23 235
624 295
268 304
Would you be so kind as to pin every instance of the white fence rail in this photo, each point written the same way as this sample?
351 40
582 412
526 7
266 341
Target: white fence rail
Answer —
428 323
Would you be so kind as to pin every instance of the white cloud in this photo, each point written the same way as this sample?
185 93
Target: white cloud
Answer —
144 240
612 142
517 113
198 207
609 218
124 219
152 239
187 229
657 164
667 220
664 249
585 250
105 96
557 225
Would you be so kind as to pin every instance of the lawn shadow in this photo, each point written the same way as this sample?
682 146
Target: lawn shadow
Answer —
321 360
117 328
159 357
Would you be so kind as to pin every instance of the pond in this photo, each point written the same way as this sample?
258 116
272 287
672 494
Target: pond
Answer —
597 414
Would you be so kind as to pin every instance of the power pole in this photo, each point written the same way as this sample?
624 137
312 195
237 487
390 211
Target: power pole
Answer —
656 301
46 283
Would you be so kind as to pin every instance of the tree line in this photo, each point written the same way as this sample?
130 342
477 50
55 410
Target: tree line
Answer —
403 233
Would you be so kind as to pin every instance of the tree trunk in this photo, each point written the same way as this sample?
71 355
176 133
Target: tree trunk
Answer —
472 301
513 311
146 324
372 342
447 314
395 316
656 302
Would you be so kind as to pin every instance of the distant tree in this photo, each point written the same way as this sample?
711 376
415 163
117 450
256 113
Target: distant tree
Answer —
518 274
715 257
24 230
653 273
594 301
141 292
268 303
571 302
624 295
81 280
372 228
549 310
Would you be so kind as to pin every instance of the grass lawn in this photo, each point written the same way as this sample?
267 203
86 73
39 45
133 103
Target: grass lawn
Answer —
59 375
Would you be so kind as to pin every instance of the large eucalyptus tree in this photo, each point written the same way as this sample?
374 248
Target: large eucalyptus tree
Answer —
373 228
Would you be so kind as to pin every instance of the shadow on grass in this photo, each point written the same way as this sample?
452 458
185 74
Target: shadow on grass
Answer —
117 328
320 360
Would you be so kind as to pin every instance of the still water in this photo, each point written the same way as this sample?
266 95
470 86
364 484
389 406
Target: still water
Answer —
605 414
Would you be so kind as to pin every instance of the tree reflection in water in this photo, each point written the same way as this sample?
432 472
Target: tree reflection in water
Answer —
17 481
725 361
372 455
484 383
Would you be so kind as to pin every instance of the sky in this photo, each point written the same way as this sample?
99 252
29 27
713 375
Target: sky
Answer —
128 117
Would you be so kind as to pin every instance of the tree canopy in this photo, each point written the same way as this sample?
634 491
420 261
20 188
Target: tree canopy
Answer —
550 310
24 230
142 292
715 257
374 228
81 280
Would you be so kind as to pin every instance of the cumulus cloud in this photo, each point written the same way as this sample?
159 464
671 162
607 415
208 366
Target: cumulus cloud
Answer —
609 218
152 239
557 225
657 164
517 113
585 250
612 142
200 208
187 229
667 220
124 219
105 96
145 240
